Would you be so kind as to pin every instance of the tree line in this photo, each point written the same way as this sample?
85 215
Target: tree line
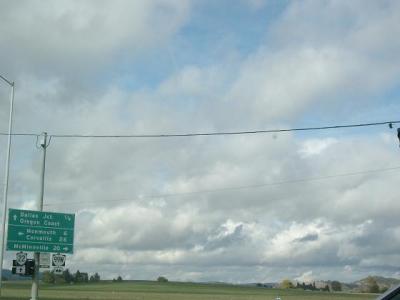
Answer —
335 286
369 285
68 277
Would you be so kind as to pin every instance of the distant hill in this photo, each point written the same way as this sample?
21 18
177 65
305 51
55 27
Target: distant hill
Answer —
383 282
358 286
361 285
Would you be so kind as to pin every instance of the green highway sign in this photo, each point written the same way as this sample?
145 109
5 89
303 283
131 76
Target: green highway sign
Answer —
39 231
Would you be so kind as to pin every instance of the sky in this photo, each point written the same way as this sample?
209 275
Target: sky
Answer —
315 205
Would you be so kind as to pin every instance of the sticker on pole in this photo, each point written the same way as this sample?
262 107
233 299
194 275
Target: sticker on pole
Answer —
58 260
21 258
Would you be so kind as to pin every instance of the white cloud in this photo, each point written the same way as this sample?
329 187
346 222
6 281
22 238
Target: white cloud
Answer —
76 37
315 146
306 277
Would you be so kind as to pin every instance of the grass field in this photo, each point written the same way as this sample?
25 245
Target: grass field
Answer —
143 290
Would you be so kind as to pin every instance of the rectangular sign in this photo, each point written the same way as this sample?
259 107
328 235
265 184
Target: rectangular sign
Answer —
39 231
20 270
44 260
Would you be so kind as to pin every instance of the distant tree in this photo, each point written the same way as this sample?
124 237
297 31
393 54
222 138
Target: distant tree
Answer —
78 277
310 287
286 284
68 277
336 286
119 278
313 286
383 289
84 277
371 285
59 279
326 288
95 277
162 279
48 277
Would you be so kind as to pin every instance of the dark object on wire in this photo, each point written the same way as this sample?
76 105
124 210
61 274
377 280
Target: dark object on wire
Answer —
398 134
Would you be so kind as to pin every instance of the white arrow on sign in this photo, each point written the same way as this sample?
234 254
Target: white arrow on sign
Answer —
20 270
20 233
15 217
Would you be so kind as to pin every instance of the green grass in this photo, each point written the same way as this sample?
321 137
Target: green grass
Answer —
144 290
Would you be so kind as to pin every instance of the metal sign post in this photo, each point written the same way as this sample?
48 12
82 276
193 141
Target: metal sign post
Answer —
38 231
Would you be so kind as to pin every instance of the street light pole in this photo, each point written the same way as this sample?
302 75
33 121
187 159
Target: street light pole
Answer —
7 172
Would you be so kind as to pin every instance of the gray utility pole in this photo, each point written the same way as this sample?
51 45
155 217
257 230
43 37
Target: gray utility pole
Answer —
6 175
35 278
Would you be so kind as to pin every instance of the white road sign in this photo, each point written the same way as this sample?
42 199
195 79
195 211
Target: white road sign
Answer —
21 258
20 270
44 260
58 260
58 270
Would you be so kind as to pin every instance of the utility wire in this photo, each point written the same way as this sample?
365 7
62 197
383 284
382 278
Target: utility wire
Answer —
19 134
166 135
224 132
291 181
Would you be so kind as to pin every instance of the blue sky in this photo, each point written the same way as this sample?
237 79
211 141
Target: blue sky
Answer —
177 66
215 30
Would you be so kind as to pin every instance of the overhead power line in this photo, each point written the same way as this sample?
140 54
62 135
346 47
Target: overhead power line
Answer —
290 181
165 135
216 133
19 134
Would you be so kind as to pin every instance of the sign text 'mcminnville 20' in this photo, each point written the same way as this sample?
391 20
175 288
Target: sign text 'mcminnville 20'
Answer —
40 231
